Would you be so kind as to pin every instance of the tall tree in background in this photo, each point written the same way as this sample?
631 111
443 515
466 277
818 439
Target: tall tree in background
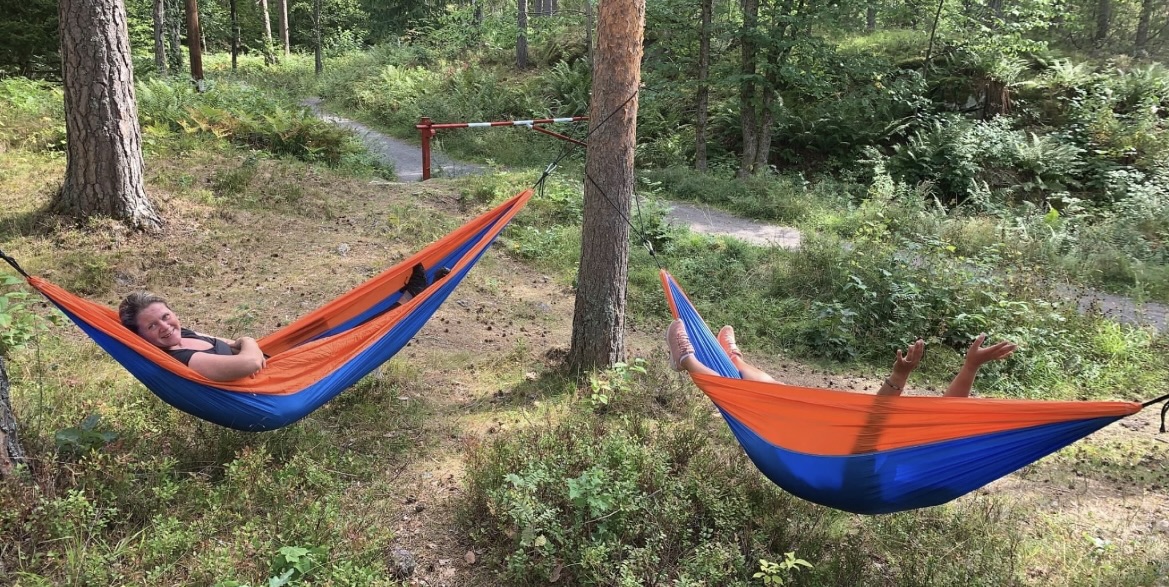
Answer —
282 6
1141 42
159 20
1103 21
103 142
319 62
195 43
174 27
598 325
234 9
703 105
521 42
269 57
754 96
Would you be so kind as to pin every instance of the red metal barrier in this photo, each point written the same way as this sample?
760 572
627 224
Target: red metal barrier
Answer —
428 129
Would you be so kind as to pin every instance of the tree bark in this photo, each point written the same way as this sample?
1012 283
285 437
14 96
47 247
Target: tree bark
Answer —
318 53
195 43
748 100
521 42
234 34
269 57
599 317
159 14
590 26
11 452
282 6
103 142
174 28
871 17
1103 21
703 101
1141 44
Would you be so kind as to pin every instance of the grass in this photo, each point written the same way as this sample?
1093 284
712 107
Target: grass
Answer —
424 454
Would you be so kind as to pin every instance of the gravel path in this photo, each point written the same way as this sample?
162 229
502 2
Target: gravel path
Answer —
406 159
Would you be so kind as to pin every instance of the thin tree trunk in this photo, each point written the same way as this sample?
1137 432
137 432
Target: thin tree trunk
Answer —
929 52
103 141
282 6
11 451
590 26
319 61
234 34
159 14
748 87
1141 44
871 17
521 42
269 57
195 43
1103 22
598 325
703 105
174 27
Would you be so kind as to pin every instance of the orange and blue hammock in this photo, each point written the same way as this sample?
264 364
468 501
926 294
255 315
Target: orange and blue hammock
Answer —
871 455
312 359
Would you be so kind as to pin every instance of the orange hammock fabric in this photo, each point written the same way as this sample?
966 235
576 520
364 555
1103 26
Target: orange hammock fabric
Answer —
311 359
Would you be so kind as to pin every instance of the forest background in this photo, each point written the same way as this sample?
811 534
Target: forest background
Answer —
952 166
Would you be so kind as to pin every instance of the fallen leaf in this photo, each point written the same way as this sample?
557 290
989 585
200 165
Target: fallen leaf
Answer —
469 557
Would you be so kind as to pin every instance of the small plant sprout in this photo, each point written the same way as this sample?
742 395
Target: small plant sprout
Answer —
776 573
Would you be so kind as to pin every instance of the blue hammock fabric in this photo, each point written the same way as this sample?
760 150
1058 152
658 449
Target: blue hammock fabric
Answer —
871 455
311 360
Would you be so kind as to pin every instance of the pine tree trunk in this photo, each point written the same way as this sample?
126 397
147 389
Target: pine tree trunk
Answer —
174 27
319 61
703 102
749 101
282 6
103 164
159 14
1103 22
195 43
11 452
521 42
598 324
1141 44
234 33
590 26
269 58
871 17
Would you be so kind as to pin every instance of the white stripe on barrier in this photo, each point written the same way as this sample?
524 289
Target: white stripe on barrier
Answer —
561 120
478 124
522 122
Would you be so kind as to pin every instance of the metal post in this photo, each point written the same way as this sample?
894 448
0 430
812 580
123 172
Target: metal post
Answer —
426 132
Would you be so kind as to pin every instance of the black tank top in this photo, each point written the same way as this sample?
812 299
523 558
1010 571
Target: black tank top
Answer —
218 347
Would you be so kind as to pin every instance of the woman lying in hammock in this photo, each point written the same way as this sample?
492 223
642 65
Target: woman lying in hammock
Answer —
682 358
217 359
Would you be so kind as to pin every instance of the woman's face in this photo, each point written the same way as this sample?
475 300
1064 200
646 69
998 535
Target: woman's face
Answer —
159 325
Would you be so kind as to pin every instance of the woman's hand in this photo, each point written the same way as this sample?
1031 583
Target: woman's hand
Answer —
904 365
978 356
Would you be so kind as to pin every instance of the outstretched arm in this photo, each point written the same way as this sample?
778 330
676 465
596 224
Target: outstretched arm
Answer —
976 357
903 367
247 361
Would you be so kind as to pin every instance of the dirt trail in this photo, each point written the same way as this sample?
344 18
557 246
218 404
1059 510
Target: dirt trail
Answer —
491 326
407 160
